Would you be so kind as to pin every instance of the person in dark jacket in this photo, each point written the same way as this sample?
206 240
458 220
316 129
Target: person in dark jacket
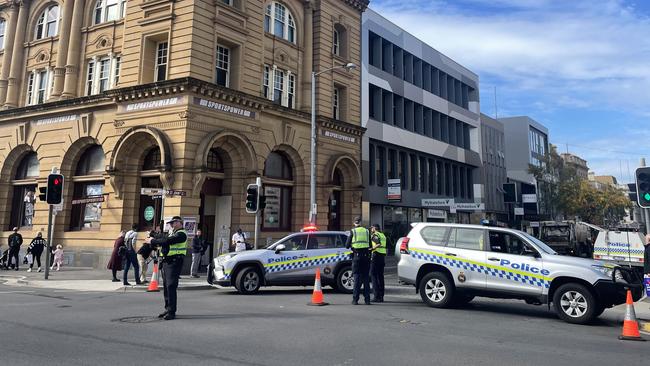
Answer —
36 248
15 240
198 248
115 264
144 253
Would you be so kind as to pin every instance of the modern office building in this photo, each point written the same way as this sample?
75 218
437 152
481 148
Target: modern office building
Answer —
526 144
577 163
195 97
421 151
494 171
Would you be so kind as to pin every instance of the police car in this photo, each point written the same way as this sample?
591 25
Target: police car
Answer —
292 261
449 264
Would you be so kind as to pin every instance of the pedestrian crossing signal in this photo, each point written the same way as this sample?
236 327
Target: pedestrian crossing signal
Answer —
252 198
262 204
43 194
54 193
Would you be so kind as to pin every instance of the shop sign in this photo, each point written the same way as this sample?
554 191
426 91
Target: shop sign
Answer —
339 136
519 211
224 107
529 198
54 120
394 187
83 201
469 206
152 104
438 202
436 214
148 213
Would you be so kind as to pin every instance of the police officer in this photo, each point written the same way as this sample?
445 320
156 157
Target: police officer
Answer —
378 262
359 242
173 249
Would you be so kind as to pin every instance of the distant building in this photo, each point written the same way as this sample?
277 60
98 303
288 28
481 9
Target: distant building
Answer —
578 163
494 172
602 181
526 143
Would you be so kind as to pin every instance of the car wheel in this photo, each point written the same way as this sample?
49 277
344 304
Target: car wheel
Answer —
248 281
345 280
437 290
574 303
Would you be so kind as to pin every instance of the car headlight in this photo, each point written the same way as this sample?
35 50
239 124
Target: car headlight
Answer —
606 270
224 258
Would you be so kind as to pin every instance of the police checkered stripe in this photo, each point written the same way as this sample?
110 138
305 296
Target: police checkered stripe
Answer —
305 262
494 272
601 250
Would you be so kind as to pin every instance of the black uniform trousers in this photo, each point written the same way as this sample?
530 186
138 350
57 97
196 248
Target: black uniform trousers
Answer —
360 270
377 275
171 271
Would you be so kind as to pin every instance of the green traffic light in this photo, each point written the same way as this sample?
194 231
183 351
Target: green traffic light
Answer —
647 196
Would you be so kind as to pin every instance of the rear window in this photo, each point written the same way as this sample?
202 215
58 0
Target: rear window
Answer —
434 235
466 238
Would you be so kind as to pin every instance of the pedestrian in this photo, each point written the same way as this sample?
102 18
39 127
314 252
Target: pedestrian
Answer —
239 241
359 242
144 254
197 252
130 256
36 248
58 257
378 263
172 250
115 263
15 240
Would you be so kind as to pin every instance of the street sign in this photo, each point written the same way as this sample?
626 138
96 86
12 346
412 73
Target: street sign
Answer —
151 191
175 192
83 201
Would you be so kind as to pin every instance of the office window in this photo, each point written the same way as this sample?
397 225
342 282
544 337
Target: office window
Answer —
2 34
266 81
223 66
279 21
336 106
381 164
392 164
98 74
278 85
116 75
336 42
109 10
440 178
432 175
47 24
387 55
374 50
37 90
422 172
283 86
403 169
414 172
162 49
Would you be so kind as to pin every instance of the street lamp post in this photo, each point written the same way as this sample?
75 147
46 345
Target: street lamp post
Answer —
312 182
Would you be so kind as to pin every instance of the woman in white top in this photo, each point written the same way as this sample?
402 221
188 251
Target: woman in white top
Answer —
239 241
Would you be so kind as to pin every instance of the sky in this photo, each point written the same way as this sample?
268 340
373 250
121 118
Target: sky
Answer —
579 67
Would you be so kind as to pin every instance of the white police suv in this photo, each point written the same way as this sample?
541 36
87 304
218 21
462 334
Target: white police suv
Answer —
449 264
292 261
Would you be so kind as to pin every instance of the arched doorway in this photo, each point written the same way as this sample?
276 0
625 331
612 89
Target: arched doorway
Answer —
344 200
278 189
23 198
150 208
88 190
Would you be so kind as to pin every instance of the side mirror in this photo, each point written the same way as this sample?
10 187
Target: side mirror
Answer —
280 248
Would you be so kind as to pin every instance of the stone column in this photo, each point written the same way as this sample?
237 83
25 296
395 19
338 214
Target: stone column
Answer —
307 59
17 62
10 34
62 51
74 49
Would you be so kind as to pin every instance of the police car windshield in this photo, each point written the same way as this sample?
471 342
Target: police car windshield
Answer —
540 244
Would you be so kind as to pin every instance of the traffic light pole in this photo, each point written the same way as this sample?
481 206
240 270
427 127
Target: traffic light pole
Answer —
48 243
258 181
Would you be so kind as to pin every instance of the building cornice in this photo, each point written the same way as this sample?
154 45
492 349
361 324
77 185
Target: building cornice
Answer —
360 5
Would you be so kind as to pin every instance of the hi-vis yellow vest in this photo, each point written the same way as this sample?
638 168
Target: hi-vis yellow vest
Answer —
179 248
381 249
360 238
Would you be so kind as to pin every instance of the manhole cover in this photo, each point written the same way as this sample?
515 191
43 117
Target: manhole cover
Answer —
138 319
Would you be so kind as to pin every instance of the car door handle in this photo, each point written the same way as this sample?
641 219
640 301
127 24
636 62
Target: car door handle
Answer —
494 259
451 254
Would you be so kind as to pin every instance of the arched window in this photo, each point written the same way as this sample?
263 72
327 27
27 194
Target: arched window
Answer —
152 159
214 162
278 192
88 189
48 23
279 22
24 191
2 34
109 10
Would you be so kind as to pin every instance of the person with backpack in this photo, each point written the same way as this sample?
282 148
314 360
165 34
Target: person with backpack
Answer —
15 240
130 256
36 248
115 263
144 253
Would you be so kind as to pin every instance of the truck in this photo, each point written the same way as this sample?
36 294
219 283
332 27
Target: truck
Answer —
567 237
623 245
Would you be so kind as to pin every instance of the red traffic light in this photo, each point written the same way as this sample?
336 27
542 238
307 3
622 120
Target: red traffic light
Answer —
57 181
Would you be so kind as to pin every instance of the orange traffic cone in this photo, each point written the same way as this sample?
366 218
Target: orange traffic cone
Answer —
317 296
153 285
630 325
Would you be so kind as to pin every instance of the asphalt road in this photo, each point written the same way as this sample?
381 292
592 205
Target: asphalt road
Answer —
220 327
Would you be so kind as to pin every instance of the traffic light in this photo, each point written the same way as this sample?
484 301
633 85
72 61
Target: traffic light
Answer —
54 193
43 195
643 186
252 198
262 204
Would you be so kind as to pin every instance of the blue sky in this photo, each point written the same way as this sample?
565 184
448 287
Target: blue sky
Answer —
580 67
